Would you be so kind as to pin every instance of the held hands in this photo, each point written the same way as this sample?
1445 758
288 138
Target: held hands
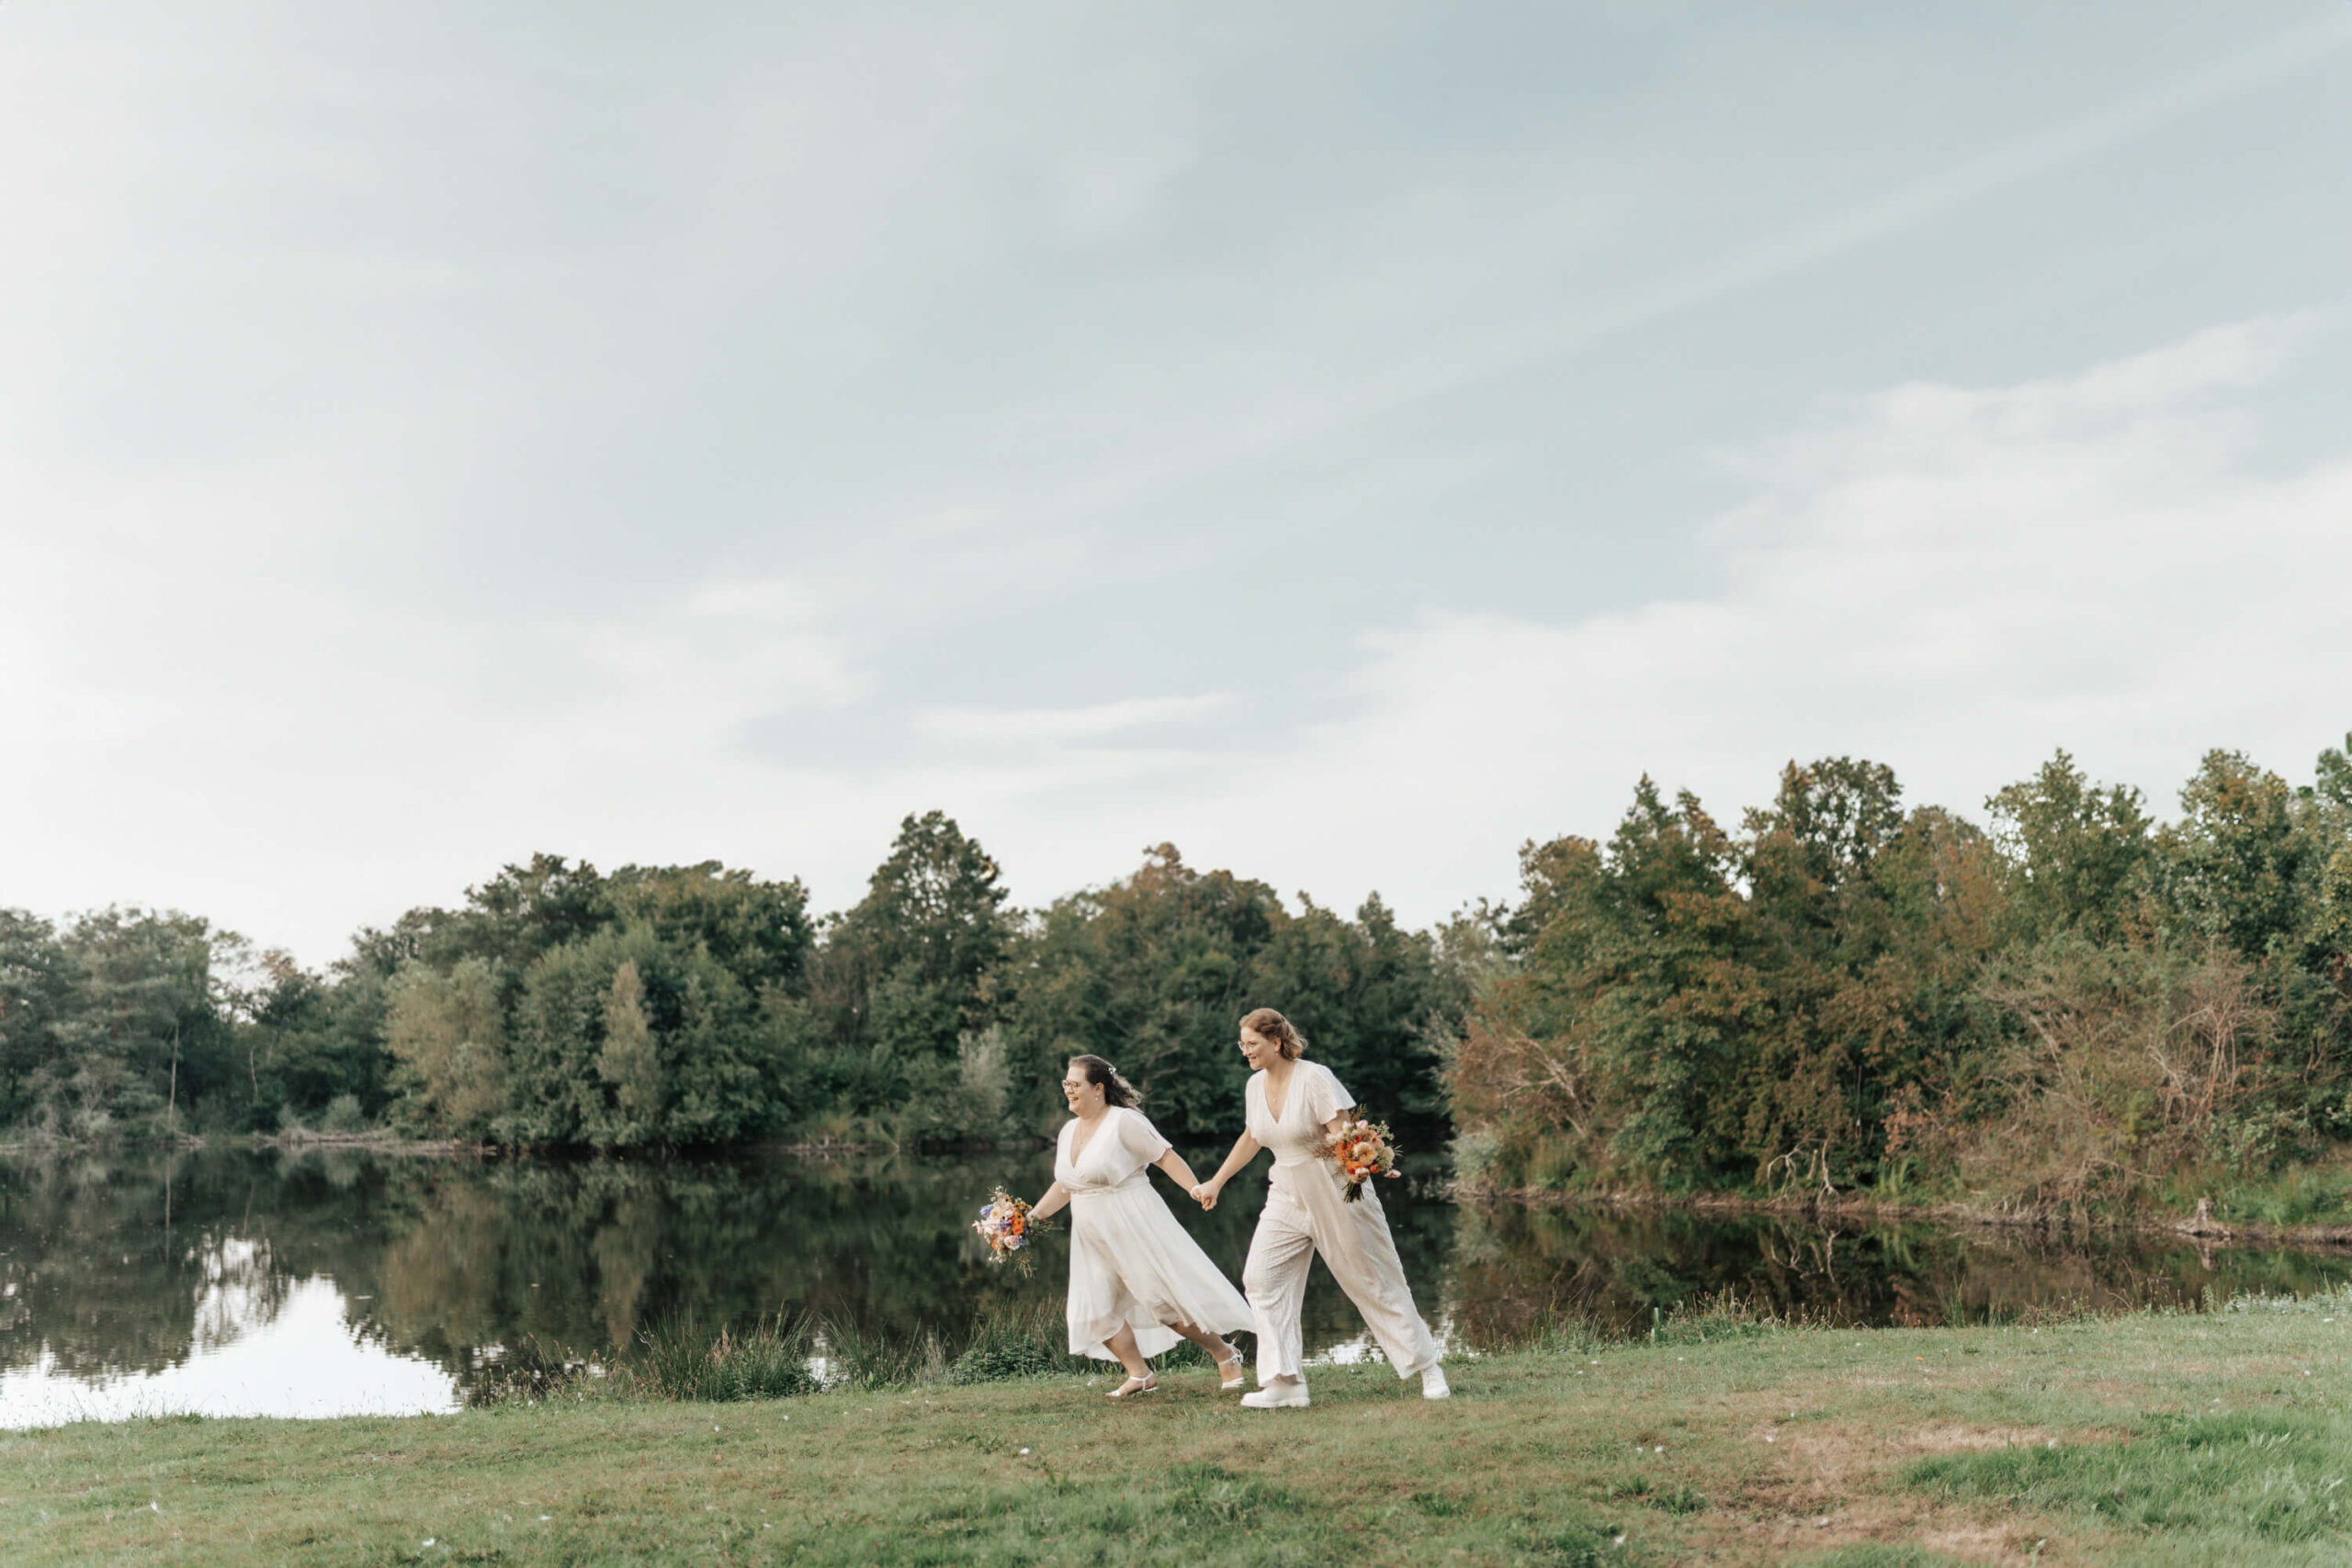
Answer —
1205 1194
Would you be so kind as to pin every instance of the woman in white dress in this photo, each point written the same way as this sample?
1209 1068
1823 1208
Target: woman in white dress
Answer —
1138 1282
1290 1105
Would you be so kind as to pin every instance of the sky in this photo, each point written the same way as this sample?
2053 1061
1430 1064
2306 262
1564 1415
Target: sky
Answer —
1347 441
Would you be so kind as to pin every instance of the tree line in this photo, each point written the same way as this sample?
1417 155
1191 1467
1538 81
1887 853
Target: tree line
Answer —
2073 1002
563 1006
2070 1000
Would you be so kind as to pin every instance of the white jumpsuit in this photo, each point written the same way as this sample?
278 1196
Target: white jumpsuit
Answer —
1130 1261
1306 1213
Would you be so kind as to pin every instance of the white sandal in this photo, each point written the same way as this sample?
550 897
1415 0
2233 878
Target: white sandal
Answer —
1133 1387
1240 1374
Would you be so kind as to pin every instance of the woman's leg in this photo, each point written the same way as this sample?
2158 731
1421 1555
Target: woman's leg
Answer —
1220 1350
1275 1281
1122 1344
1356 1246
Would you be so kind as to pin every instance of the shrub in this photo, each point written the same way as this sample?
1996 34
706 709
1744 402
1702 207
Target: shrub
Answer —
1014 1344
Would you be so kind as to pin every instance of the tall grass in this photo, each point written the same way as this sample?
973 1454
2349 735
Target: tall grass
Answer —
770 1361
674 1360
858 1358
1027 1342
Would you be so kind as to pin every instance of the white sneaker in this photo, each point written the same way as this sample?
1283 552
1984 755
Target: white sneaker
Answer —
1281 1394
1433 1382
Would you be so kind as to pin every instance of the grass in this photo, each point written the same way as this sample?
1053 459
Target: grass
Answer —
2302 1196
2146 1440
792 1356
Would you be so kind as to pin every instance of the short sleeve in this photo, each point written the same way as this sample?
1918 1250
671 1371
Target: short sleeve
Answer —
1140 1138
1325 1097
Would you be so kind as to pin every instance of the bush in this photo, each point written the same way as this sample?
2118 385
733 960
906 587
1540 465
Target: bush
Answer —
1014 1344
344 1115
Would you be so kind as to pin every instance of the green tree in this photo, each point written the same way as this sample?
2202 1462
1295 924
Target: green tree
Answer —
705 1074
902 979
1376 1001
628 1062
38 997
2079 855
2234 860
1152 972
149 1034
297 1055
759 931
448 1034
1691 1008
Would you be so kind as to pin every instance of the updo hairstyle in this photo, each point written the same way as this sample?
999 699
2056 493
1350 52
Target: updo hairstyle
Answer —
1116 1091
1278 1029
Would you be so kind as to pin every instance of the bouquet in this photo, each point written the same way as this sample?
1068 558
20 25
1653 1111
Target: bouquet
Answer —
1006 1226
1362 1150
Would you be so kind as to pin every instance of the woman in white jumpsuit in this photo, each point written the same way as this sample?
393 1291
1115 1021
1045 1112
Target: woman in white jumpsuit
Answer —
1290 1104
1138 1282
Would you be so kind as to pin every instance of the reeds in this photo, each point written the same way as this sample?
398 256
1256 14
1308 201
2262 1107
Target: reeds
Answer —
773 1359
1026 1342
856 1357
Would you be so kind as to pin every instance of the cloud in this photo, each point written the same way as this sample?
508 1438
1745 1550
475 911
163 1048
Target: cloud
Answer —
1955 580
1952 581
1015 726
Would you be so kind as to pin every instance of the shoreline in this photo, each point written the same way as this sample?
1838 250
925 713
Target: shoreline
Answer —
2202 1227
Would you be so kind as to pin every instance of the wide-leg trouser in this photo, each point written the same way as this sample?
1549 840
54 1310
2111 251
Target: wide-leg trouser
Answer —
1308 1215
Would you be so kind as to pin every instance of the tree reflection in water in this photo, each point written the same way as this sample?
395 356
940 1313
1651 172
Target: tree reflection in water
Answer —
1514 1268
116 1267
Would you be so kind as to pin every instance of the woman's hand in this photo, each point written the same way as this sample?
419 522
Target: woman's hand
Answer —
1245 1149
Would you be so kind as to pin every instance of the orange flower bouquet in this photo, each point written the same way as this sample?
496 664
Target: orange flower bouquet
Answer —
1006 1226
1362 1150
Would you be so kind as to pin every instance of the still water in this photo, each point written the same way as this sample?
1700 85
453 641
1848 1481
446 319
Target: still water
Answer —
336 1282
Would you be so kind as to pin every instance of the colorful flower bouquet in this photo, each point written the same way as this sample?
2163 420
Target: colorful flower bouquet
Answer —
1006 1226
1362 1150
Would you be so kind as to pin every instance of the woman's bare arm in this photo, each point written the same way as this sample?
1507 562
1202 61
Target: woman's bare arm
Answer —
1177 1171
1056 1197
1245 1149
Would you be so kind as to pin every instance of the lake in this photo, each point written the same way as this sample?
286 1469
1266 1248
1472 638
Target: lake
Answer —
234 1282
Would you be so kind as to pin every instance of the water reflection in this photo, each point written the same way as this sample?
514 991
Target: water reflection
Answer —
1513 1267
239 1282
299 1358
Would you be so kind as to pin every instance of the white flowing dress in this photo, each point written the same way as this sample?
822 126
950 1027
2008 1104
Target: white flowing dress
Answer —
1130 1262
1307 1213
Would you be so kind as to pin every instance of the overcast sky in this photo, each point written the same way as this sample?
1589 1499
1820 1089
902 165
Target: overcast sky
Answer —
1347 440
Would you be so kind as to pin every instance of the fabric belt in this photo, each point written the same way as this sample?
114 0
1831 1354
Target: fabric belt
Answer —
1095 1188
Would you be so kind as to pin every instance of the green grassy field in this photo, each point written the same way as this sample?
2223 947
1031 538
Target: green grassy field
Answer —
2180 1439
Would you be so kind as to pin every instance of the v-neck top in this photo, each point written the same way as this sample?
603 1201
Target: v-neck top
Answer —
1314 1099
1121 1145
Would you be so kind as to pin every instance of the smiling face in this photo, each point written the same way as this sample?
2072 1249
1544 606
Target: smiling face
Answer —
1081 1093
1258 1051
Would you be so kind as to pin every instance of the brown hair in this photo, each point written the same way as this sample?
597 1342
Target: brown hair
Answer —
1280 1030
1116 1091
